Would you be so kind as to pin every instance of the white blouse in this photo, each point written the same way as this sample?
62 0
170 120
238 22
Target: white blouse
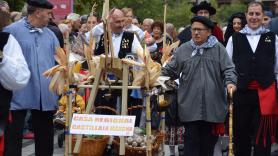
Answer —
14 72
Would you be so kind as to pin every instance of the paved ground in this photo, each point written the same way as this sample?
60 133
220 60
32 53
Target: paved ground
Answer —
28 149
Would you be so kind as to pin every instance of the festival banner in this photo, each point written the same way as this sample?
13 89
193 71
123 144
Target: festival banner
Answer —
61 8
93 124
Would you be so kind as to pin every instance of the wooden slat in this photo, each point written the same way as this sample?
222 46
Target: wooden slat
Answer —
111 87
124 104
89 107
69 122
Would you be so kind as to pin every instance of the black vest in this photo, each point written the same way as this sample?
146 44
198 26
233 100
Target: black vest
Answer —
257 66
125 47
5 95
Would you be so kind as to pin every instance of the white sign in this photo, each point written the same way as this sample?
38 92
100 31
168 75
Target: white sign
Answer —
93 124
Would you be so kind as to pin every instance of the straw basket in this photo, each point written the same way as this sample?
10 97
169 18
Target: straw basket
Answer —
92 147
138 151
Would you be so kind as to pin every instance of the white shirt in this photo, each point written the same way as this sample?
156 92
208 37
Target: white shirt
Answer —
14 72
97 31
253 41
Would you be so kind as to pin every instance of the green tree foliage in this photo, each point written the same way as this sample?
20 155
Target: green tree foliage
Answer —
178 12
225 11
16 5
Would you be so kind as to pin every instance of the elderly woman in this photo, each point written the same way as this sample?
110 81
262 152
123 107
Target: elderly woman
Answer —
157 28
235 24
204 69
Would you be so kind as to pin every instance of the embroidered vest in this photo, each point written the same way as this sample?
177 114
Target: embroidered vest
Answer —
5 95
257 66
125 47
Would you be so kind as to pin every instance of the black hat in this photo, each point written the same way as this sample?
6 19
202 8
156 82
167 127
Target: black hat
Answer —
40 4
204 5
204 20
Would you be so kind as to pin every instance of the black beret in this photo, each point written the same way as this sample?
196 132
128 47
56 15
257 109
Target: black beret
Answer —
204 5
204 20
40 4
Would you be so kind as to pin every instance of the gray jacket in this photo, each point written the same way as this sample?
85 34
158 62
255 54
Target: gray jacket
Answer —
201 93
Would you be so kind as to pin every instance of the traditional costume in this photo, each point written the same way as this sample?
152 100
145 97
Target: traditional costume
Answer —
124 43
38 47
203 72
255 55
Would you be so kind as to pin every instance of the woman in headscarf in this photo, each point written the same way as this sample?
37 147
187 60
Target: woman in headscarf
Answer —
236 22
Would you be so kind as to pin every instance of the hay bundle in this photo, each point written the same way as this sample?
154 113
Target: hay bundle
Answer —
59 73
167 51
153 68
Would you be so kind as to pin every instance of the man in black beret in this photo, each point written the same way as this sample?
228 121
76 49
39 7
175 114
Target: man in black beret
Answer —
203 9
38 44
204 69
40 4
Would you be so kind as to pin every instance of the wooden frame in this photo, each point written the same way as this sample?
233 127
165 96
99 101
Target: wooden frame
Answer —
124 68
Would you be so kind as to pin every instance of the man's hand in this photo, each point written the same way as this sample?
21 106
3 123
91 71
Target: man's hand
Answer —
231 88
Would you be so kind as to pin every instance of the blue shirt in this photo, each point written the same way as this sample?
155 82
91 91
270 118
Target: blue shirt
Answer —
38 47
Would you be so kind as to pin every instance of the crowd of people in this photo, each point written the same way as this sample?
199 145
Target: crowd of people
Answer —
211 62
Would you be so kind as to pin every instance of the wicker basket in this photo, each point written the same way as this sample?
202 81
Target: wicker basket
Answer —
138 151
92 147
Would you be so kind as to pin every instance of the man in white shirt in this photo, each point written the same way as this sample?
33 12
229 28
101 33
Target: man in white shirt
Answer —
254 51
123 42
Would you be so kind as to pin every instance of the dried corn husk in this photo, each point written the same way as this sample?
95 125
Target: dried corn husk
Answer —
61 56
132 62
59 73
54 80
51 71
139 78
153 68
167 51
88 52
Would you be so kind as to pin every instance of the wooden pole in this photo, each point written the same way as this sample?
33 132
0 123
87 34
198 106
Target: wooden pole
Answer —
164 31
148 107
105 9
89 106
111 47
164 45
111 87
69 114
124 104
106 44
148 126
231 152
106 27
69 104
